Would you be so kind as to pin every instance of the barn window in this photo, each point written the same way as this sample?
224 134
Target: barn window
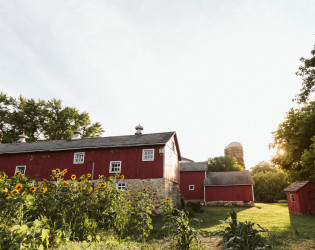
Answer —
115 167
191 187
292 197
148 155
78 158
121 186
21 169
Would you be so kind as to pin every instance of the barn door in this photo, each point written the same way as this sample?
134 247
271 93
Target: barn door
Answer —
311 198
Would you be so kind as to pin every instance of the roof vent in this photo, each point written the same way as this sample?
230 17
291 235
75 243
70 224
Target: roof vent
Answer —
77 135
22 138
139 128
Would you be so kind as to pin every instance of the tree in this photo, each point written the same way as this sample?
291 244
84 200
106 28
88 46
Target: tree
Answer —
296 136
42 120
263 167
307 72
223 164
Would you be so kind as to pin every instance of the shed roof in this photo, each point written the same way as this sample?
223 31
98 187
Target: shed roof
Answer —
231 178
89 143
296 186
193 166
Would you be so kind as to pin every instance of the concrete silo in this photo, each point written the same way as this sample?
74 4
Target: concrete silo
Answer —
235 149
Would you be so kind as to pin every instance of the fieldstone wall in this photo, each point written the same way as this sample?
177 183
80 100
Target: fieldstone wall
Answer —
230 203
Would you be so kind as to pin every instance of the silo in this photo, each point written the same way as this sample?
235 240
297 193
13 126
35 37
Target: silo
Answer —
235 149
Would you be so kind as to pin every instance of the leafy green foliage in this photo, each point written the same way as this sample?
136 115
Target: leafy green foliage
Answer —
42 120
223 164
242 235
178 225
307 72
296 136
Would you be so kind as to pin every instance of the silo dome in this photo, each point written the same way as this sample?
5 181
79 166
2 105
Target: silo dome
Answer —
234 144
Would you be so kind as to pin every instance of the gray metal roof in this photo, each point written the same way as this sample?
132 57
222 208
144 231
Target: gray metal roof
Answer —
89 143
296 186
193 166
229 178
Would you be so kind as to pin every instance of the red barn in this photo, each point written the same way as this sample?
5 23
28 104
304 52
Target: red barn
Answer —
149 161
234 186
301 197
192 175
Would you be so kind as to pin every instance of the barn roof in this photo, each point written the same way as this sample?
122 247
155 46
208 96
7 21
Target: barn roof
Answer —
193 166
231 178
296 186
89 143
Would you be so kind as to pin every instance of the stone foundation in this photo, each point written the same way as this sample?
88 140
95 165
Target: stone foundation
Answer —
230 204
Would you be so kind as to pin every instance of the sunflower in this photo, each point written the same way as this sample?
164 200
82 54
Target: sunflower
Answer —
33 189
122 177
168 199
92 196
18 187
43 190
65 183
101 185
83 176
65 171
79 188
4 190
18 172
53 171
57 170
73 177
15 191
88 175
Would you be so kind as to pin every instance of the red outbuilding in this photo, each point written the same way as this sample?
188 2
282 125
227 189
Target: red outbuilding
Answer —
192 175
229 186
301 197
147 161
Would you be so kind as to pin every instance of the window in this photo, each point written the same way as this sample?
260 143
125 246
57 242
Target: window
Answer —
191 187
148 155
292 197
121 186
21 169
78 158
115 167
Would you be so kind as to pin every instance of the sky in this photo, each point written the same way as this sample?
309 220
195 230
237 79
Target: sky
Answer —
213 71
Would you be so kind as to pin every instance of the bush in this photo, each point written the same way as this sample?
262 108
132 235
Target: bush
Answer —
242 235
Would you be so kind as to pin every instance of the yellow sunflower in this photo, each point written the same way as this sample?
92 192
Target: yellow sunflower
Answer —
101 185
57 170
18 187
73 177
168 199
43 190
83 176
33 189
65 183
65 171
53 171
18 172
92 196
79 188
15 191
88 175
122 177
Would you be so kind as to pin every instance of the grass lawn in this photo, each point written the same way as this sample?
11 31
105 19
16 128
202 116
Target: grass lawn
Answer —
286 231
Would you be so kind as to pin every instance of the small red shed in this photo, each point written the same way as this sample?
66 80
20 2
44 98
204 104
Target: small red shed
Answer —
301 197
229 186
192 175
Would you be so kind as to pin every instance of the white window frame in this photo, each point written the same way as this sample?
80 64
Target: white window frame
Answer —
20 166
111 165
76 154
121 186
292 198
191 187
144 156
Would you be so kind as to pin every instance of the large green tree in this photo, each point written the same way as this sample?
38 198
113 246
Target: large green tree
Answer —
223 164
296 137
307 72
42 120
269 182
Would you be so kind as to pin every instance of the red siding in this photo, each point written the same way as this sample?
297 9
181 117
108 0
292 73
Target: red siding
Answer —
132 165
304 200
229 193
192 178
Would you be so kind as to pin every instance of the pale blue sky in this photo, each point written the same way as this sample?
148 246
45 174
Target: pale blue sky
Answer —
213 71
